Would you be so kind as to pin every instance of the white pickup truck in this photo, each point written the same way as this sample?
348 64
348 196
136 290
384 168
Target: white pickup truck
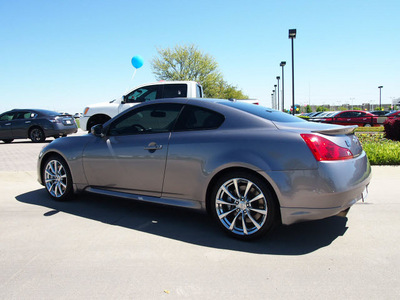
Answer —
102 112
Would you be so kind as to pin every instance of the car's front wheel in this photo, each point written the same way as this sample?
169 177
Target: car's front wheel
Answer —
243 205
57 178
37 135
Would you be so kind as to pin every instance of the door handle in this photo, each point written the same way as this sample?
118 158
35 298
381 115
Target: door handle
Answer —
27 122
153 147
7 124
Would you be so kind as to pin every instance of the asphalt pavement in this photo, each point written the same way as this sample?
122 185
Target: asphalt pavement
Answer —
105 248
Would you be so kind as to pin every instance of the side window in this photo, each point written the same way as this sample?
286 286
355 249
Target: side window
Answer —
198 118
149 119
175 90
143 94
25 115
7 116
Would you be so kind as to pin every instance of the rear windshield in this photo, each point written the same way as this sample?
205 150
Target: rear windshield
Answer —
263 112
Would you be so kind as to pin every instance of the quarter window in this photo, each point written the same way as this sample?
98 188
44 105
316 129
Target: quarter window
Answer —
198 118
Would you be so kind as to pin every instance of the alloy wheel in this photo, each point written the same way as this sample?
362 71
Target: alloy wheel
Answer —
56 178
241 206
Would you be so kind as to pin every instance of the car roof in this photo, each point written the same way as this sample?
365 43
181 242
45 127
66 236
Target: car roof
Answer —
41 111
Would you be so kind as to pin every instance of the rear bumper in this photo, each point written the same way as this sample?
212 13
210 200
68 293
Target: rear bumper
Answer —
292 215
306 195
61 130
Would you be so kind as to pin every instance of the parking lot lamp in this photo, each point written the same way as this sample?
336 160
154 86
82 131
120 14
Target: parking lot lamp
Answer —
275 95
277 77
292 36
282 64
272 100
380 96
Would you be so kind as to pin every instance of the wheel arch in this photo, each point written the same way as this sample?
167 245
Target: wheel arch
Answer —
99 118
34 127
223 172
45 158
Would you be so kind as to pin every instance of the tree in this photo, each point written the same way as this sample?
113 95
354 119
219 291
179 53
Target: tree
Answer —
189 63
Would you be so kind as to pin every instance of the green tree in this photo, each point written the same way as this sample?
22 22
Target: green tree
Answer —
189 63
322 108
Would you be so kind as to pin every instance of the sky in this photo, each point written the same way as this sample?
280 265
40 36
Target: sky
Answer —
64 55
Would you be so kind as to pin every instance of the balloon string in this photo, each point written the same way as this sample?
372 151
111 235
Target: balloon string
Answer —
134 73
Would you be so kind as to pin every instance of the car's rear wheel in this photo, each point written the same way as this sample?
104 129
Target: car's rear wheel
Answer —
243 205
37 135
57 178
7 141
367 125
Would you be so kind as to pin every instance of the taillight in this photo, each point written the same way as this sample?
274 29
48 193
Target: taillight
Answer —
324 149
56 120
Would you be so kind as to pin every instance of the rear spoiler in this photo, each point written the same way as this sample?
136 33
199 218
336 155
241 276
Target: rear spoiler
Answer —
337 131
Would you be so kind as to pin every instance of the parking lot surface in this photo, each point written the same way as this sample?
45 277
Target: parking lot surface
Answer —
105 248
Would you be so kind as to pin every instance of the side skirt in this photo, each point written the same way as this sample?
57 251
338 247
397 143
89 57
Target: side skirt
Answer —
165 201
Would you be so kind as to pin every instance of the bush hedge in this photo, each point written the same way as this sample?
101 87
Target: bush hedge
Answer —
392 129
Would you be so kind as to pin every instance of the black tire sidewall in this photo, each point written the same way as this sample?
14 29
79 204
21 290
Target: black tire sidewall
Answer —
42 136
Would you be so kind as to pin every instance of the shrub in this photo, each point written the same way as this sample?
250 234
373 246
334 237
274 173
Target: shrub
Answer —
392 129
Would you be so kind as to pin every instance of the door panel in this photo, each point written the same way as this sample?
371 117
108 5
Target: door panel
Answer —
130 163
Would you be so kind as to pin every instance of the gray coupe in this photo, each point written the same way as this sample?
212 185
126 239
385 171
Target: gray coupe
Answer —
248 166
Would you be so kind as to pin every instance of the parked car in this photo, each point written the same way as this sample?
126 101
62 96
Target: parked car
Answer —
35 124
393 115
379 112
322 115
349 117
249 166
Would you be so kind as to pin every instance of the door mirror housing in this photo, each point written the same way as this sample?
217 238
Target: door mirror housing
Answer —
97 130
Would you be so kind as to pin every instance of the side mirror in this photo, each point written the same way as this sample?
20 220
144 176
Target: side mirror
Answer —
97 130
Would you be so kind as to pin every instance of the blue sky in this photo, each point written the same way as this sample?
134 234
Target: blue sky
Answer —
63 55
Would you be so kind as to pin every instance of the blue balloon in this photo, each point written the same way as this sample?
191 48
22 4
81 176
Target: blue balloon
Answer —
137 61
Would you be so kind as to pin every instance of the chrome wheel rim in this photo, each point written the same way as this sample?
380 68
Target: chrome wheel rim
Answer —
55 178
241 206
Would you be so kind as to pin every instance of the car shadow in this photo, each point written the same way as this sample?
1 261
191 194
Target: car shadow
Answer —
47 141
189 225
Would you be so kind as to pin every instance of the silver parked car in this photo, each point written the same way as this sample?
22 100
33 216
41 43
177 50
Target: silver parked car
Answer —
249 166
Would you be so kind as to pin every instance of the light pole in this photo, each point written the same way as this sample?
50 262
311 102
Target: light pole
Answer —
272 100
292 36
282 64
380 96
275 95
277 77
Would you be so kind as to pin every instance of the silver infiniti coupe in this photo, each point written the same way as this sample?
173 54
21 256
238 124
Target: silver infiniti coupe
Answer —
248 166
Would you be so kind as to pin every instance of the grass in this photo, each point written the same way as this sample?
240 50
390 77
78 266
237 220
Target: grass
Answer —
380 151
370 129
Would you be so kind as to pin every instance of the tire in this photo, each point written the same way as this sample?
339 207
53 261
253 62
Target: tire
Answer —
367 125
243 205
57 178
37 135
7 141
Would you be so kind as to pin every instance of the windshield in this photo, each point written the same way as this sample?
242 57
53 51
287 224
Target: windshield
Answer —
264 112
